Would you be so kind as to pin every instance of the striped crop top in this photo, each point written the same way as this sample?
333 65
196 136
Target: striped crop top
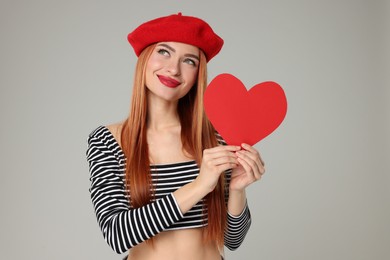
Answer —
124 227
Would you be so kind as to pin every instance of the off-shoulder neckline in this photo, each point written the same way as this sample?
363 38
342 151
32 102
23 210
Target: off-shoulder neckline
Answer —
108 132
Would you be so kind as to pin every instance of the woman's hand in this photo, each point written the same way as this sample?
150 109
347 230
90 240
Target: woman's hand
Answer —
215 161
249 170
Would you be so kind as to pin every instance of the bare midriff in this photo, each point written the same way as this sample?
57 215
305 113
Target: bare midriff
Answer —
176 245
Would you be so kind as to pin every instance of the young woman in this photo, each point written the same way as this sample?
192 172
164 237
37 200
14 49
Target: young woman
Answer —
164 184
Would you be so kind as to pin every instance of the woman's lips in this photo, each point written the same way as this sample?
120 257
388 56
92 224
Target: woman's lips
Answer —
167 81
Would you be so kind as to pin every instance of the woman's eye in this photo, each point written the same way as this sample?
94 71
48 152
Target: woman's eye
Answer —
163 52
191 62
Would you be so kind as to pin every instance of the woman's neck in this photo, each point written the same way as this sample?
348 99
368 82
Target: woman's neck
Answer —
162 115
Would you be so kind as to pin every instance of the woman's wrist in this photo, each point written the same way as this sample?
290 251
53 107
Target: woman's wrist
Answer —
236 202
188 195
201 188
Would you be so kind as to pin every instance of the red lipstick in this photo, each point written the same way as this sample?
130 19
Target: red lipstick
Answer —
169 82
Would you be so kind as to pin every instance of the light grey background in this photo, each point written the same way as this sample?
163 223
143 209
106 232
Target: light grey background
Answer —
66 68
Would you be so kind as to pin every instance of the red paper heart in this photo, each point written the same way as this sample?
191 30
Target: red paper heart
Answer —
242 116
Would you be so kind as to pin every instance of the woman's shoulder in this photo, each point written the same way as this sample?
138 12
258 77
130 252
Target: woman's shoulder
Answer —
106 132
106 138
116 130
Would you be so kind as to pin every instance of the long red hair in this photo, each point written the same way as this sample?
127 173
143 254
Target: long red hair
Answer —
197 134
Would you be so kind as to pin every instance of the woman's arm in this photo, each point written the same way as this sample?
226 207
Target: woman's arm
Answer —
251 168
123 227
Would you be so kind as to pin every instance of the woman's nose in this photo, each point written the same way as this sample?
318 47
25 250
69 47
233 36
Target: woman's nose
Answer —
174 67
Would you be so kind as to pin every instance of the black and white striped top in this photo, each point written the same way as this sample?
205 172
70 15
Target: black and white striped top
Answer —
124 227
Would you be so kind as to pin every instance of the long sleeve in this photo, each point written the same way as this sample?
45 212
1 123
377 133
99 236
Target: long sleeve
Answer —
237 228
122 226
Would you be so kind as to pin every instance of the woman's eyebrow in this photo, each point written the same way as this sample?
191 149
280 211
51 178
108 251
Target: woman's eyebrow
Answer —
167 46
192 56
173 50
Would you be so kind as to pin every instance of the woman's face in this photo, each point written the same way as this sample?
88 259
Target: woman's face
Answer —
172 70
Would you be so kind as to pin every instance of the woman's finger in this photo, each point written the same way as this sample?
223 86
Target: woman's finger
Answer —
220 154
222 160
231 148
255 155
252 162
253 151
248 170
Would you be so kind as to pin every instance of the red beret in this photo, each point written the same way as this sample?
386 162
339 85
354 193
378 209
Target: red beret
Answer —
176 28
